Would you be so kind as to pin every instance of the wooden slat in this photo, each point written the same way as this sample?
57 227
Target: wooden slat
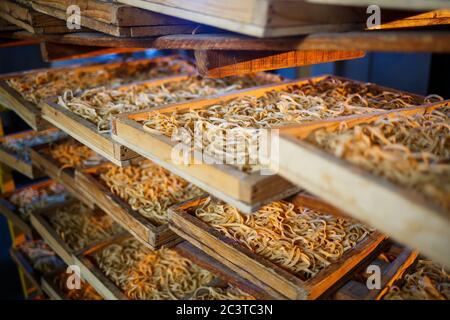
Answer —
257 269
26 110
374 200
119 31
234 9
354 289
7 26
432 18
152 235
25 17
222 63
16 43
383 41
113 13
396 4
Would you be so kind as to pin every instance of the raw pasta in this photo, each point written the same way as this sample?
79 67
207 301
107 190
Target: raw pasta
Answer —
145 274
148 188
299 240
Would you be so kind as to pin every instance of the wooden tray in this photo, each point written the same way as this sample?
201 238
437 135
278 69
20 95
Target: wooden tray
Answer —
11 212
356 289
94 276
117 19
39 220
372 199
21 261
42 160
144 230
110 291
7 26
25 17
205 261
87 133
26 110
30 112
272 18
245 191
257 269
398 4
14 161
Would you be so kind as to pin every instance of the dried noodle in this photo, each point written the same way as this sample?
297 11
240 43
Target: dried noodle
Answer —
297 239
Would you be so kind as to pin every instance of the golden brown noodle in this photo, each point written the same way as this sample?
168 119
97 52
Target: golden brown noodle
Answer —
100 106
148 188
80 227
297 239
411 151
37 87
328 98
145 274
427 281
71 154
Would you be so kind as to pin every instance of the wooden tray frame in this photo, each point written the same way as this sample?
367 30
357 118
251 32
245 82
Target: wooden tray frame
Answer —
14 162
39 220
10 211
42 160
110 291
259 270
93 274
141 228
30 112
87 133
205 261
21 261
247 192
401 213
390 273
25 109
